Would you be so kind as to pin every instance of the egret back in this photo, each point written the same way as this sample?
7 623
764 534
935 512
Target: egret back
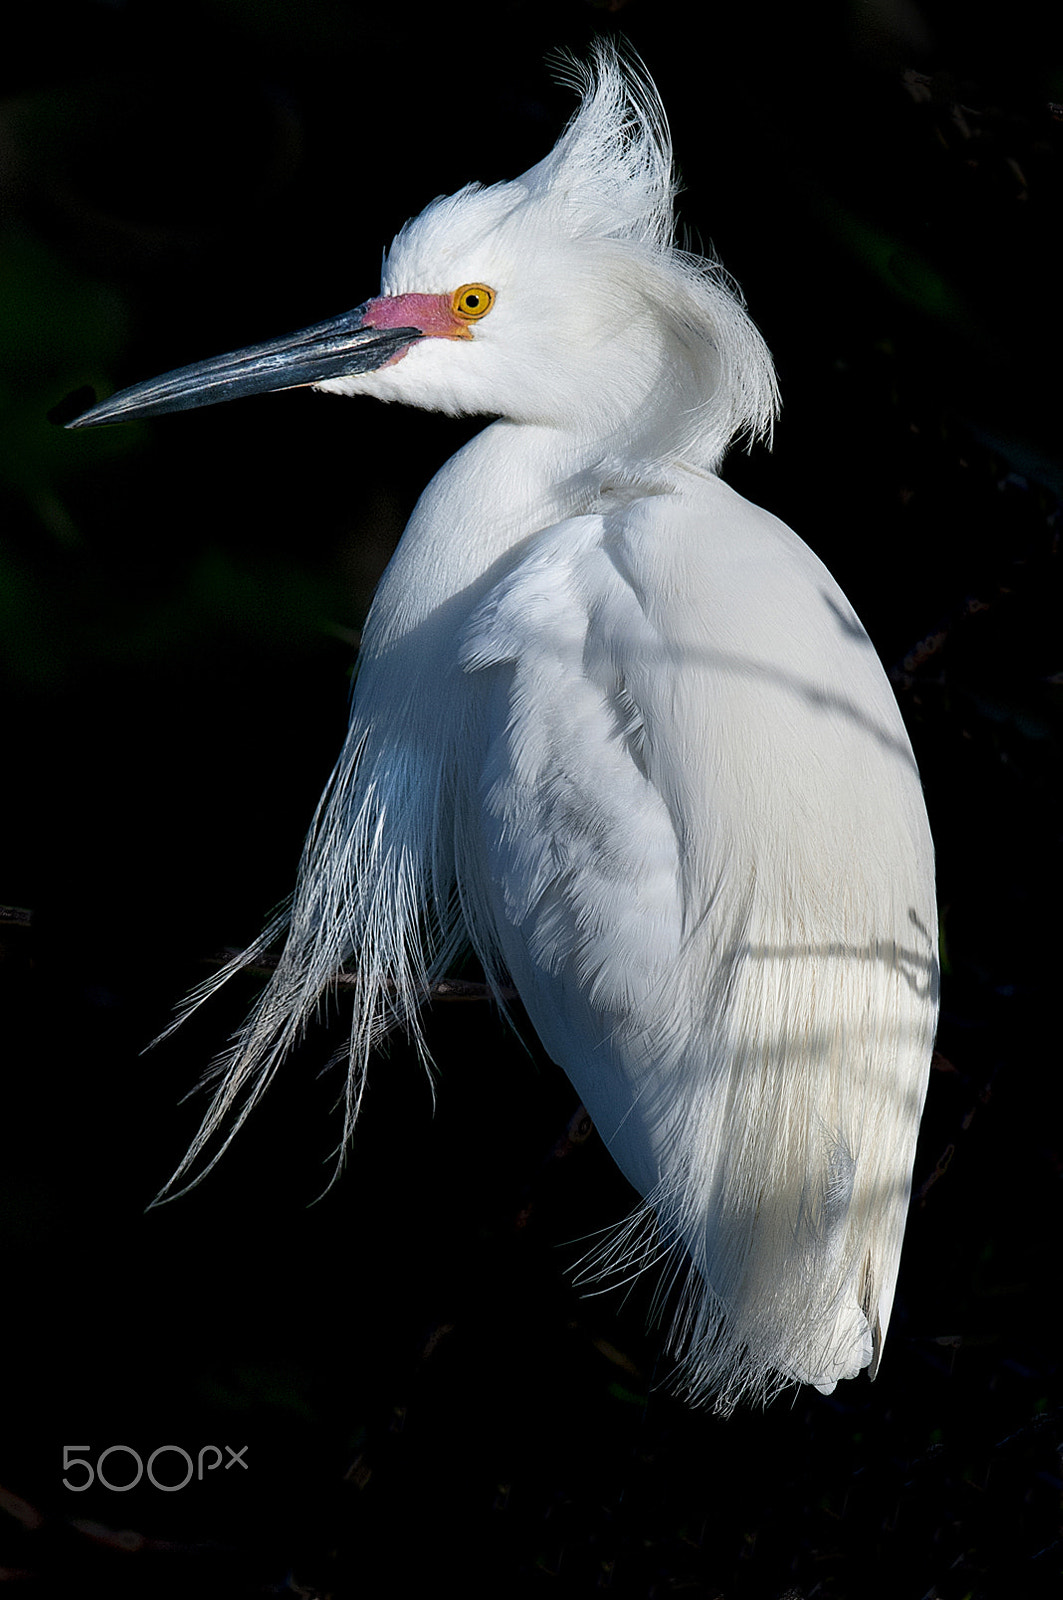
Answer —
703 853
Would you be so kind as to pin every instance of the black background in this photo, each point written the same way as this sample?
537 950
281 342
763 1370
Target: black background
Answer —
424 1397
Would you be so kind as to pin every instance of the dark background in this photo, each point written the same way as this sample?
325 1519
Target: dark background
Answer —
424 1397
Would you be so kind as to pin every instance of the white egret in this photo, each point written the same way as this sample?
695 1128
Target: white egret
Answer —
619 731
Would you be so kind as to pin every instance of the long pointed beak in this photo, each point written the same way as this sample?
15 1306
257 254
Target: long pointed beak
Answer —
339 348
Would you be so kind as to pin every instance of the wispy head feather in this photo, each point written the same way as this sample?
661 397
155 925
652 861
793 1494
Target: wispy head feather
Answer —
604 325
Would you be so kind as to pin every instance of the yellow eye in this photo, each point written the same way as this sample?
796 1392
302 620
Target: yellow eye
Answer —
473 301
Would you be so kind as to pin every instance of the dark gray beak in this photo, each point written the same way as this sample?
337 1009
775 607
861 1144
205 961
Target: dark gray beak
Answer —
338 348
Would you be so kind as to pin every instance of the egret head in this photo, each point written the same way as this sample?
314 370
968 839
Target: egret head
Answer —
557 298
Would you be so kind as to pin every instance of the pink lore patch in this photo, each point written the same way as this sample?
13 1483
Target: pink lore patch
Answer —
431 313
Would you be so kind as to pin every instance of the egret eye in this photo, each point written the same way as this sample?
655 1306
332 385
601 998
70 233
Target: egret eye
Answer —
473 301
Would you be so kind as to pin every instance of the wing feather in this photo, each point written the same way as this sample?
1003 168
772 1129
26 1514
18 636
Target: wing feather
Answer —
699 844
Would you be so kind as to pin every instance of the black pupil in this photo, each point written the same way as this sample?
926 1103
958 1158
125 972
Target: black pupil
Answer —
472 301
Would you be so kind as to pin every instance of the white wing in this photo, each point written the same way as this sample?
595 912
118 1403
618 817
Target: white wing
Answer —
700 845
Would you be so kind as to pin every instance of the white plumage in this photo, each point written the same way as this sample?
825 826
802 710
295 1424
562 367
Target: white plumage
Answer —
621 731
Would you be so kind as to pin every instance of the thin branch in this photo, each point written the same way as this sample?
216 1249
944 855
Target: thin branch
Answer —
447 989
